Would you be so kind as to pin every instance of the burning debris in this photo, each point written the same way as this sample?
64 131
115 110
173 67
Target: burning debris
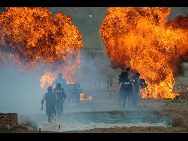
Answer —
34 38
143 39
84 97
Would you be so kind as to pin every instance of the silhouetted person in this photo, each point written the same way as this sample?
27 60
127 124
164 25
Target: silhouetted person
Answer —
138 84
60 97
136 88
60 80
49 97
124 76
143 84
126 89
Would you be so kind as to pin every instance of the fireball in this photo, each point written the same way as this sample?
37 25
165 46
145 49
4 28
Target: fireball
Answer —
144 40
39 40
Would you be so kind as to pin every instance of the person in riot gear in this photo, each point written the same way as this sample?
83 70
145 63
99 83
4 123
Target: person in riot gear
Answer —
136 87
126 89
124 76
49 97
138 84
143 84
60 97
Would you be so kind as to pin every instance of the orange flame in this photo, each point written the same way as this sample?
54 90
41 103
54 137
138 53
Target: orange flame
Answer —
84 97
68 71
37 39
142 39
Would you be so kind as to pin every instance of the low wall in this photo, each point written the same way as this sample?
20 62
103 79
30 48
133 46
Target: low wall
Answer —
8 120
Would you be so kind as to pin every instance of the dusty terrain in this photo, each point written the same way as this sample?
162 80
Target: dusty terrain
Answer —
177 109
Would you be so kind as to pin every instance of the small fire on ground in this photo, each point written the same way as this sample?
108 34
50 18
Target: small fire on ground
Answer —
84 97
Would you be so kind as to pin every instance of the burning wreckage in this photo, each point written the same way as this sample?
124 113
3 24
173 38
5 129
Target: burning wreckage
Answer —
138 39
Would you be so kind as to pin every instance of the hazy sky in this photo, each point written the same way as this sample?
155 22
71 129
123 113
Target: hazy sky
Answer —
89 26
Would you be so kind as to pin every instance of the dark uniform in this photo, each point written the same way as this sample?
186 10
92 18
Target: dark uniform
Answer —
126 89
138 84
136 88
60 80
49 97
60 97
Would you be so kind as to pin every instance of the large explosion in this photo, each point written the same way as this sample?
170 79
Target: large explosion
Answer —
143 39
34 38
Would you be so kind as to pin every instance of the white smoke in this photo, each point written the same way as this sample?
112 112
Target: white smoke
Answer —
20 91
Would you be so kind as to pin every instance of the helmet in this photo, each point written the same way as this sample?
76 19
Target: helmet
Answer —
58 85
127 69
60 75
50 88
137 74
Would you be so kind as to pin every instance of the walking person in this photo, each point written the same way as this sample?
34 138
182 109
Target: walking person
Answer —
60 97
126 89
49 98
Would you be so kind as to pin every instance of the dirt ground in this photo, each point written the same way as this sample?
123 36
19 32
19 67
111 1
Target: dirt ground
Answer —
176 108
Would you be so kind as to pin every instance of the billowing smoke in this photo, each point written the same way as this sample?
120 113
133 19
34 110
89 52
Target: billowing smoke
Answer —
20 91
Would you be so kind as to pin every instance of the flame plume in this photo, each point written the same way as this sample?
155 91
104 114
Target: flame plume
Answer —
143 39
37 38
